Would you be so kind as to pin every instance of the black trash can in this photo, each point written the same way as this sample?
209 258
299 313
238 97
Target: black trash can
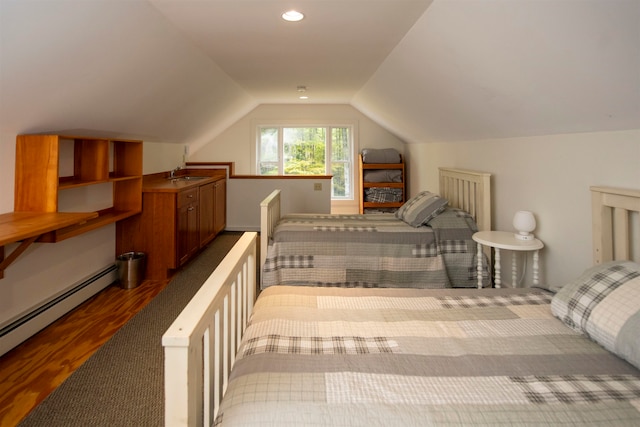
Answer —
130 269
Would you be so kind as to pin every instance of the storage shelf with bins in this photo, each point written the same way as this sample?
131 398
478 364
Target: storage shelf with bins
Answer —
366 185
49 165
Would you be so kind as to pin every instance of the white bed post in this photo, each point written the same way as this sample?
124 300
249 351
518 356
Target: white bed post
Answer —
270 212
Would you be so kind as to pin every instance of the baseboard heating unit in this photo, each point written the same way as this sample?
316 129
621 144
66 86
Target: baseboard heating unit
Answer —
30 323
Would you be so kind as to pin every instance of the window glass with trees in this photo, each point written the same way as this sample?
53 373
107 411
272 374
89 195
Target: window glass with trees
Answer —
312 150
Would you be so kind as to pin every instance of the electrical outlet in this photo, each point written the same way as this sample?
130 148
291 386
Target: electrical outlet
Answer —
317 186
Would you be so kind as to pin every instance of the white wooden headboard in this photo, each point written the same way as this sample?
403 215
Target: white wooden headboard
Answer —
469 191
612 210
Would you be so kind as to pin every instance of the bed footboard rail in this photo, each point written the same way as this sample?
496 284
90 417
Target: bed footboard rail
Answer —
201 345
269 217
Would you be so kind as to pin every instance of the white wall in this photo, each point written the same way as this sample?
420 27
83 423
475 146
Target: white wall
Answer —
549 175
298 195
47 269
236 143
161 157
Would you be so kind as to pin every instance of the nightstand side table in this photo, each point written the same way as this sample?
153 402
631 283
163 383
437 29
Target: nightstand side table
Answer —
506 240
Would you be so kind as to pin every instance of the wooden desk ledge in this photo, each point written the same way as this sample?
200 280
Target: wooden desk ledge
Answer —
27 227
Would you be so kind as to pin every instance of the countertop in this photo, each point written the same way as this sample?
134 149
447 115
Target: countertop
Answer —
161 184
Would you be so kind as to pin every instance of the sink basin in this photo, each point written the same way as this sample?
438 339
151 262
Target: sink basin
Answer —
187 178
193 178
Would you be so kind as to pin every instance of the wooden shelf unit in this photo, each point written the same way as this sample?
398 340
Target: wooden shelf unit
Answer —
364 185
47 165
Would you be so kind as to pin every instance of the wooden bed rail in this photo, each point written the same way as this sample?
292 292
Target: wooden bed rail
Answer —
200 346
269 216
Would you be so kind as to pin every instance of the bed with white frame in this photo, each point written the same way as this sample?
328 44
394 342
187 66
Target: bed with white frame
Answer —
328 258
201 345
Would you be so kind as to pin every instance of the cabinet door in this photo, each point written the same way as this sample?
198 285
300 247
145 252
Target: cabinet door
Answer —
220 205
206 202
188 237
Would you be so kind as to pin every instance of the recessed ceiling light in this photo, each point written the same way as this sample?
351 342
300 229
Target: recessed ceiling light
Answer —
303 97
292 16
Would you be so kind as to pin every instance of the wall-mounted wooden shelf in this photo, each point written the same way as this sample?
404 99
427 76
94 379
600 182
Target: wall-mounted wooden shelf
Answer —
49 165
102 218
27 227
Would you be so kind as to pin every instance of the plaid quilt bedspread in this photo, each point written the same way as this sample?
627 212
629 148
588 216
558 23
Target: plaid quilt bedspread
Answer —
372 251
407 357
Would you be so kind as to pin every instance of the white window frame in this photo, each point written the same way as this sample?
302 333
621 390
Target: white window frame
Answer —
352 124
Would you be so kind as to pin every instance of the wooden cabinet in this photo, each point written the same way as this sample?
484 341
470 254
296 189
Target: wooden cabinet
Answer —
177 220
400 186
66 173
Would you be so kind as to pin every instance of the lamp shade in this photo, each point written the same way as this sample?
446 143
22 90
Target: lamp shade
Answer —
525 223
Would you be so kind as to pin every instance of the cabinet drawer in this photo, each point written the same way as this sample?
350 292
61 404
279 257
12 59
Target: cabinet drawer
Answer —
187 197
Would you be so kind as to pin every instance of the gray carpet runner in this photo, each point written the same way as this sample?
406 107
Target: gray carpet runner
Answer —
122 383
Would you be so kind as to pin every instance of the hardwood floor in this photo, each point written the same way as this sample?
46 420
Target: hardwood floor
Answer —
35 368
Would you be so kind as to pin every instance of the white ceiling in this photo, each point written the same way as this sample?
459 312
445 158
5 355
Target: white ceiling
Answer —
473 70
447 71
442 70
333 51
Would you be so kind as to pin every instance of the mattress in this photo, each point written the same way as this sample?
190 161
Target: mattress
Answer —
370 251
384 357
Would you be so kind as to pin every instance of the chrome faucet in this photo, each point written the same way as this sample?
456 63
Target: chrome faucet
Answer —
172 174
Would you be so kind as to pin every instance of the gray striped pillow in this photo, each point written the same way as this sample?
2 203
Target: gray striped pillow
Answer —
421 209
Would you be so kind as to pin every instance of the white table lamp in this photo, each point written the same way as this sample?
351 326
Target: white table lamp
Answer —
525 223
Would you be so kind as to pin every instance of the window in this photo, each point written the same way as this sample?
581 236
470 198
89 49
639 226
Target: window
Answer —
309 150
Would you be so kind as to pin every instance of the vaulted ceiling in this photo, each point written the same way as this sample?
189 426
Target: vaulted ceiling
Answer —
333 51
428 70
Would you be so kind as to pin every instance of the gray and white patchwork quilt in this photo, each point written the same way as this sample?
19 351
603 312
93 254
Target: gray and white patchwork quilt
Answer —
408 357
370 251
